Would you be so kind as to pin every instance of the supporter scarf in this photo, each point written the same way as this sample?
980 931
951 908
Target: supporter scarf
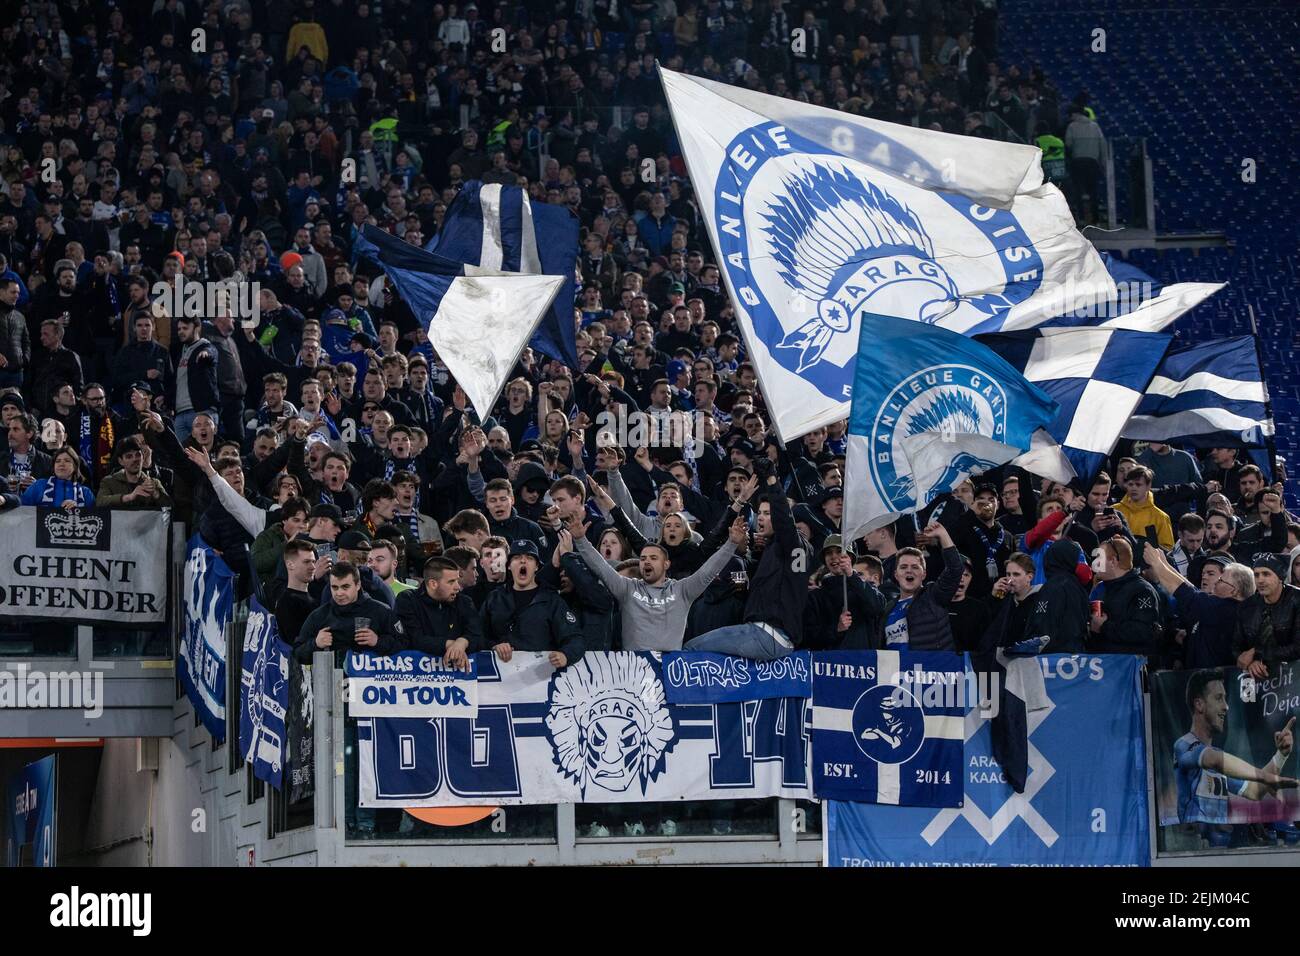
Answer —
59 490
326 497
390 468
991 546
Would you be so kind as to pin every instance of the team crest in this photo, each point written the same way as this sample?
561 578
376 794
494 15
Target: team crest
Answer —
888 724
608 722
815 243
947 400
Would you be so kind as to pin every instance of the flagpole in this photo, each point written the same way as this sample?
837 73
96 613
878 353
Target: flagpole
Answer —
1270 442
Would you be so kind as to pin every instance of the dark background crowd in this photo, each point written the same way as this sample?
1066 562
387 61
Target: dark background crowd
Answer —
329 456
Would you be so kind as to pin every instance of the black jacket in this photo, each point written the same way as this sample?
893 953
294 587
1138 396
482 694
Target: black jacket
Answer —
1060 607
591 602
1273 630
778 586
200 378
1132 608
430 624
341 619
546 624
927 617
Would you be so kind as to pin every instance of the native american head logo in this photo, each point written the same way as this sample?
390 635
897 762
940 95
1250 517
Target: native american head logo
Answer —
608 722
851 249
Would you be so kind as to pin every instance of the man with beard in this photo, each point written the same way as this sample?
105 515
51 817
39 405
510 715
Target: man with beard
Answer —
983 540
130 487
1222 536
438 618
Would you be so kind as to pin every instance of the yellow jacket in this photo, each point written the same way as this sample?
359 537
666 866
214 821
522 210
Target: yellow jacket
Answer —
1146 513
310 35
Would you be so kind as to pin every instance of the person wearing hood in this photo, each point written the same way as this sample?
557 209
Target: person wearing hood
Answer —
1129 619
530 485
1061 609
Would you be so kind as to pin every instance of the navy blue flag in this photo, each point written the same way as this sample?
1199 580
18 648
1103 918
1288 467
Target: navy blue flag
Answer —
701 677
1207 395
33 820
490 229
1084 804
888 727
264 696
209 605
930 408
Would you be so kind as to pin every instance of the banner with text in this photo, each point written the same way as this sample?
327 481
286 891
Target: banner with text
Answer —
95 566
598 731
1085 799
700 677
409 684
888 726
209 605
1220 740
32 794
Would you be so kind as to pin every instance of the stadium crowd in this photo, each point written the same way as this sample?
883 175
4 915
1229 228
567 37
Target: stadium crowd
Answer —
331 459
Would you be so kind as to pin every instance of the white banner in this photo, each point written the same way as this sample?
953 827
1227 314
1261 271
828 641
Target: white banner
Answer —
94 566
598 731
409 684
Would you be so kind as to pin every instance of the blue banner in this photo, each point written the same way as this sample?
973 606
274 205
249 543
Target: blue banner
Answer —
887 727
699 677
264 696
31 794
209 605
1085 801
409 684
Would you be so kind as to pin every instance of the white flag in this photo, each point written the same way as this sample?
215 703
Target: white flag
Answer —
821 219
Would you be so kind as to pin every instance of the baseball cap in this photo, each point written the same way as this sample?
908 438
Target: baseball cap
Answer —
1222 560
144 385
353 541
675 367
835 541
678 288
523 546
333 512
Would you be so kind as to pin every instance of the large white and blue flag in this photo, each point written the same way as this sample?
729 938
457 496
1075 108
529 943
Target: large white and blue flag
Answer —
1207 394
479 325
823 220
495 230
930 409
1096 375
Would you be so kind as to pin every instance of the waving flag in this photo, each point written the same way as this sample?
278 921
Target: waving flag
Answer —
930 408
824 222
1096 375
1208 394
479 325
496 230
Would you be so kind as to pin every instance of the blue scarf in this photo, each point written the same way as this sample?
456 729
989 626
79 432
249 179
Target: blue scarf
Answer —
59 490
85 446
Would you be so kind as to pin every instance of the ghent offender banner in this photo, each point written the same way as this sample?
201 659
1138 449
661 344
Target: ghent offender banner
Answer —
95 565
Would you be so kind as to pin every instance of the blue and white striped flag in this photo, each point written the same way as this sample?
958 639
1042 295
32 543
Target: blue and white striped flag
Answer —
1096 375
889 726
824 221
478 325
1207 394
